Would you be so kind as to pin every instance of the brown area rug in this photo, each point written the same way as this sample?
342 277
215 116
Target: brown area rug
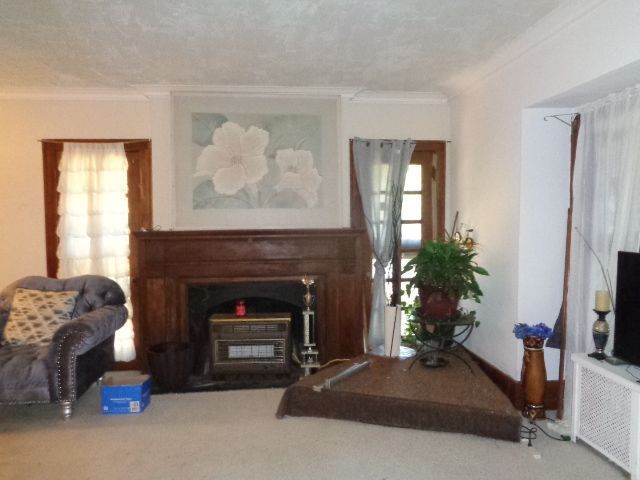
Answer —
453 398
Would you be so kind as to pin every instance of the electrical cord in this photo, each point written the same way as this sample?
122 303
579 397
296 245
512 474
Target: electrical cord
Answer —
628 370
295 358
561 438
530 433
297 361
335 360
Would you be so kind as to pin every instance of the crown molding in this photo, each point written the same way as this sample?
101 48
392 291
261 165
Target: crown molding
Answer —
64 93
168 89
397 97
548 27
350 94
145 92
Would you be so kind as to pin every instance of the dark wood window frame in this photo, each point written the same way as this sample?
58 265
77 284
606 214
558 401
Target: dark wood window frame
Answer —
425 151
138 179
432 156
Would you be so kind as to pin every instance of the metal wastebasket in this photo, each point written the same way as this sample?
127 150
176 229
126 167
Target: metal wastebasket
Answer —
170 365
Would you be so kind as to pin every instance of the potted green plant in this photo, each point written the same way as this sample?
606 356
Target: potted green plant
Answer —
444 272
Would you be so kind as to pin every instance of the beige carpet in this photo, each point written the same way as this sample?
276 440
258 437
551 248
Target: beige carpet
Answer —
235 435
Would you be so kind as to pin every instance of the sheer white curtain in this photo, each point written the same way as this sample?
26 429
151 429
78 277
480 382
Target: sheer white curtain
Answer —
606 211
94 220
381 167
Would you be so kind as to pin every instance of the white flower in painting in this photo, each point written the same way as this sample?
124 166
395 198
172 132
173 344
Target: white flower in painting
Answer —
235 159
298 174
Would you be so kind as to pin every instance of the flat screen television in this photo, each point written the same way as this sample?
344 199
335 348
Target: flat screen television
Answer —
626 341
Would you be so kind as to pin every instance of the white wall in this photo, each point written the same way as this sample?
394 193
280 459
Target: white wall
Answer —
25 121
426 121
544 200
490 174
395 121
22 124
369 118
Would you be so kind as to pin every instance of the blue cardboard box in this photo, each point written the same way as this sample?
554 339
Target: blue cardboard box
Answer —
125 392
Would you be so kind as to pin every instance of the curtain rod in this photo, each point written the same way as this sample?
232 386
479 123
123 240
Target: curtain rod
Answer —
557 117
383 140
95 141
389 140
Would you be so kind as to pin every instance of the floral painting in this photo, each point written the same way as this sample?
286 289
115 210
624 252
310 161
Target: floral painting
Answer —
256 161
249 161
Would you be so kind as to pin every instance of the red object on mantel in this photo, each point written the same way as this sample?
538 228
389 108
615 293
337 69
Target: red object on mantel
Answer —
241 308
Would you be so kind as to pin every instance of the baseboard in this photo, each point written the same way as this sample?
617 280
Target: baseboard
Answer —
513 388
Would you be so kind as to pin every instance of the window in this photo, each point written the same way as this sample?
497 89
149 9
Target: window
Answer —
422 211
138 179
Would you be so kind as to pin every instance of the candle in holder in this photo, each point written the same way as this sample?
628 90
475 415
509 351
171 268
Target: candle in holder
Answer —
602 301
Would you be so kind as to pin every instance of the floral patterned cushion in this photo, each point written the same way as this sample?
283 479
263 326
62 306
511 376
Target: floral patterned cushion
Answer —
36 315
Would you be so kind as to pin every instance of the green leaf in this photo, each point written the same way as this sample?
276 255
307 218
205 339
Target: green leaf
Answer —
447 266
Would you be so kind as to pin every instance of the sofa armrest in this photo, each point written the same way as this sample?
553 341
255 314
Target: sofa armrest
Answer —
85 332
75 338
5 308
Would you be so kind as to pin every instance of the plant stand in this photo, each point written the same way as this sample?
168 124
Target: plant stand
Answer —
440 337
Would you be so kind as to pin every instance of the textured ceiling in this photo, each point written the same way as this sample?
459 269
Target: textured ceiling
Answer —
399 45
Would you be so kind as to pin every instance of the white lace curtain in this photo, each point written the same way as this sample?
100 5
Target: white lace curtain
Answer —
94 221
606 211
381 167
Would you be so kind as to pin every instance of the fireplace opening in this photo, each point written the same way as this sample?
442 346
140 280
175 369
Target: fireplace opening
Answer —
261 297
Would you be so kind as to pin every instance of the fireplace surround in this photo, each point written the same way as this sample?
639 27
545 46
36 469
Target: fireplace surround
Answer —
166 264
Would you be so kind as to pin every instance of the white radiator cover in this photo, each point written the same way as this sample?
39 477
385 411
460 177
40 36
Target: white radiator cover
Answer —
606 411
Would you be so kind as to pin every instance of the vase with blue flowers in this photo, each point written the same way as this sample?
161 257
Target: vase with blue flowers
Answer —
534 374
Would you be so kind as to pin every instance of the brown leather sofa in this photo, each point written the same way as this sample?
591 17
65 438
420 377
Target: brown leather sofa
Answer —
79 353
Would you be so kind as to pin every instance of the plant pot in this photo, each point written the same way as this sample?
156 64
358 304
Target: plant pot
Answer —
435 303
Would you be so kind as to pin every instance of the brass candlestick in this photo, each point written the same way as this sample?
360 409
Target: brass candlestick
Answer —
600 331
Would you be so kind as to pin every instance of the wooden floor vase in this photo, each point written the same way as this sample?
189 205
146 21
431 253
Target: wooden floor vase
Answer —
534 377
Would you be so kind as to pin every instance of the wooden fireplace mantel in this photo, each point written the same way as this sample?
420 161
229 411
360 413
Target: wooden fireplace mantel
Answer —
165 263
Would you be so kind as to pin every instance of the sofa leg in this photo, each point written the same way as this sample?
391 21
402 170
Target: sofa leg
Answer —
66 409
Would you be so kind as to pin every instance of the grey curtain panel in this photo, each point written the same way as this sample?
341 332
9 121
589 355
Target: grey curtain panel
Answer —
381 167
